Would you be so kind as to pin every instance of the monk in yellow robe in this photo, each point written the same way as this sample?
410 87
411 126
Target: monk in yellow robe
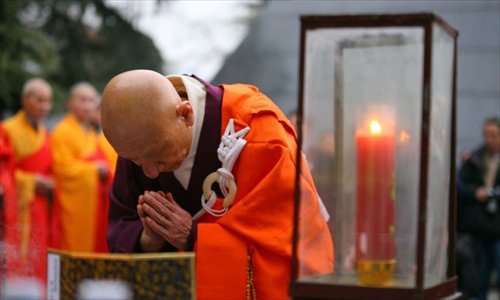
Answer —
172 134
34 182
82 175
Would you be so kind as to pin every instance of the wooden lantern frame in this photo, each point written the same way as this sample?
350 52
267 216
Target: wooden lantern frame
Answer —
447 288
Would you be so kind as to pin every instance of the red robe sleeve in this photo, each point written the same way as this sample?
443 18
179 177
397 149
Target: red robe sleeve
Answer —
8 212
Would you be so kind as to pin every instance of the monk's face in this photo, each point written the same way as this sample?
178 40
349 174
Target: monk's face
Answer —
145 120
37 103
83 103
162 149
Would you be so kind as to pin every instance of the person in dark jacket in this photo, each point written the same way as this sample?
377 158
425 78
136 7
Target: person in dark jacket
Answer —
479 212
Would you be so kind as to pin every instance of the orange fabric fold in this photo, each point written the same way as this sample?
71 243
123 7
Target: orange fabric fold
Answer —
260 221
221 264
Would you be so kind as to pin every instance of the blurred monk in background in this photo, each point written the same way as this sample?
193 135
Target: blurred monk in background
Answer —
82 175
33 174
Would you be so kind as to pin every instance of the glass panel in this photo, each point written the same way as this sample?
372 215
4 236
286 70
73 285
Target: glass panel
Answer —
439 158
362 118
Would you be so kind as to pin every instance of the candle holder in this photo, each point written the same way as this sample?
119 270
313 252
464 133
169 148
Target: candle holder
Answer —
376 121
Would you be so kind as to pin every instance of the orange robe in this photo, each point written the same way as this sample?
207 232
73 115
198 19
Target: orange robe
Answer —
108 151
83 202
32 151
260 222
9 233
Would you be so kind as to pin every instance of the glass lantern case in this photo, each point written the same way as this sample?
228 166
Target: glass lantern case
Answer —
376 122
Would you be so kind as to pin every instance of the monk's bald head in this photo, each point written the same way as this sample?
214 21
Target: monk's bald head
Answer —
141 108
82 101
137 101
36 98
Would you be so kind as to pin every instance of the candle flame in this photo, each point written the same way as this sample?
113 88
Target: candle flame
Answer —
375 127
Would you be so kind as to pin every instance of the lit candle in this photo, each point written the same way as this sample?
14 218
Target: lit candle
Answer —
375 254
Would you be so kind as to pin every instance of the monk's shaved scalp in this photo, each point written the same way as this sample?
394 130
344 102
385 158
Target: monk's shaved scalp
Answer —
137 104
81 87
33 84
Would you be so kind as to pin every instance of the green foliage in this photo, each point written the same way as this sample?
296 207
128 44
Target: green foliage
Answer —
51 39
25 52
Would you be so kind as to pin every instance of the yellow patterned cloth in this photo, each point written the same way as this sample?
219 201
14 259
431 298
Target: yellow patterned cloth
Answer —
150 276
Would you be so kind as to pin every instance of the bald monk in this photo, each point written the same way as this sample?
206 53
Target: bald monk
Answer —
166 131
82 175
34 182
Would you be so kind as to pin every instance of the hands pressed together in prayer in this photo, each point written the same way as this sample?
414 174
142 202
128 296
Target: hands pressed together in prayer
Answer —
163 220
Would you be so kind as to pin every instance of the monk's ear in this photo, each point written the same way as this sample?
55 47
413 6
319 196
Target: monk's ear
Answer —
185 111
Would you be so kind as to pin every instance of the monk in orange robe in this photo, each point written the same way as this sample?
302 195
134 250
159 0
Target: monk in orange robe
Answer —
82 175
34 182
9 233
167 132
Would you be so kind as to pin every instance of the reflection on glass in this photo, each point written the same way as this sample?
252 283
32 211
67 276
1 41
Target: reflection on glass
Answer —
439 159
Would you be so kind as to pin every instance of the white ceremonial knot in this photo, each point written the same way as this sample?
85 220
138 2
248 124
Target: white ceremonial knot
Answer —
230 147
207 206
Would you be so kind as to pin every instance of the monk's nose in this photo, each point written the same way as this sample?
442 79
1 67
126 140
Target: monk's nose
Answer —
150 171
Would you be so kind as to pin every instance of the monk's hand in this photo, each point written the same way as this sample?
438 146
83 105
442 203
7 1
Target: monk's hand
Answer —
167 218
43 184
150 240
